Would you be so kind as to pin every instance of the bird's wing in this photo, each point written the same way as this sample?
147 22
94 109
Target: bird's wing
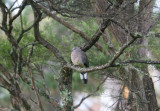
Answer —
76 58
85 59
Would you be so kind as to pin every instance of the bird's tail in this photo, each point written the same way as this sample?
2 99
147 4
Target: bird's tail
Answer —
83 77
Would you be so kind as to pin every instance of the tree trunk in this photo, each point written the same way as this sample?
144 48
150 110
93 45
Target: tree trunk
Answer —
150 93
65 87
138 87
146 10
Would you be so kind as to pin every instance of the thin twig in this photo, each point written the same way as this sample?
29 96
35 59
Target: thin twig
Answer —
24 3
32 79
125 29
25 30
140 61
37 14
40 70
97 89
15 8
153 24
97 35
4 71
12 5
21 62
35 88
69 26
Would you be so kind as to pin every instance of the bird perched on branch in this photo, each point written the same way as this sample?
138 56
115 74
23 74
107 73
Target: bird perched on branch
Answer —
79 58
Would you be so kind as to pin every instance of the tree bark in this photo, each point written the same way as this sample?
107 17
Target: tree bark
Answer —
145 20
65 77
150 93
137 85
65 87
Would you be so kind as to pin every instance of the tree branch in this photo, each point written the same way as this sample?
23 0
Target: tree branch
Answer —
5 83
4 24
12 5
110 63
15 16
97 89
4 71
43 42
32 79
3 29
26 30
14 88
35 88
153 24
4 14
69 26
140 61
126 30
97 35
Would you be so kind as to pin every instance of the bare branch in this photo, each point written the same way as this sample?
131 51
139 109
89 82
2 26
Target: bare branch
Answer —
97 35
153 24
140 11
97 89
50 99
5 83
3 29
41 40
126 30
4 14
15 16
4 24
15 8
14 88
4 71
21 62
69 26
110 63
140 61
35 88
40 70
32 79
12 4
26 30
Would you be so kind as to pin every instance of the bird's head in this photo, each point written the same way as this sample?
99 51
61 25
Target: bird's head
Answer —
76 48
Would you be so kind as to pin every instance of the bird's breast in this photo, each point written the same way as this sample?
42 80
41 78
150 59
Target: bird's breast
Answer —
76 59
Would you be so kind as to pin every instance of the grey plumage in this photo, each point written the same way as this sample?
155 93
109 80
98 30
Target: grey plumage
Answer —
79 58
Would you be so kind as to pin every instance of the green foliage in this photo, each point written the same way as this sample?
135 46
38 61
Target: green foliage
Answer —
5 53
155 47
